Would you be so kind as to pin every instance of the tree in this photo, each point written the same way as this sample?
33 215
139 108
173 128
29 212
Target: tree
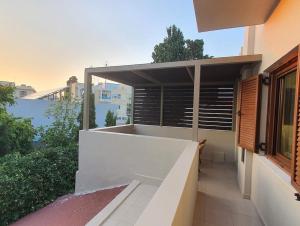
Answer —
110 119
64 129
92 114
16 134
6 96
176 48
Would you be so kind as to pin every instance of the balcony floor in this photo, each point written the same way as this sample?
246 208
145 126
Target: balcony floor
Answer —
219 201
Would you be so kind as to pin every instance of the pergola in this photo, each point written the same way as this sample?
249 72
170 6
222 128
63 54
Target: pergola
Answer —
224 70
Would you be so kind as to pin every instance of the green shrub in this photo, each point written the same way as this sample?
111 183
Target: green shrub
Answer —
16 134
29 182
64 129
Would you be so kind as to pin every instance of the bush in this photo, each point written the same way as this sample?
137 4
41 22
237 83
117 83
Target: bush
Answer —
29 182
64 129
16 134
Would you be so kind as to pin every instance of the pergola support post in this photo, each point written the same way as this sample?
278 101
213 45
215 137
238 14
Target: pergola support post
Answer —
132 106
196 102
86 100
161 121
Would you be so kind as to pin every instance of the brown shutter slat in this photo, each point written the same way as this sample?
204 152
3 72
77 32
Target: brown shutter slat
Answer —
249 112
296 138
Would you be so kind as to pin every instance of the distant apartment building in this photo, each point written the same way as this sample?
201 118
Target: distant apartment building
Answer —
21 90
6 83
106 92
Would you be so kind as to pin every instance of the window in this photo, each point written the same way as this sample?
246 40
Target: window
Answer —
285 114
106 95
23 93
281 113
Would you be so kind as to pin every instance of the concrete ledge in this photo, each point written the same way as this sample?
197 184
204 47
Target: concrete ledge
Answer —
104 214
174 202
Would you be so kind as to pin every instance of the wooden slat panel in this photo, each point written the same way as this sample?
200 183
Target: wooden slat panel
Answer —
216 105
178 106
215 110
250 92
147 105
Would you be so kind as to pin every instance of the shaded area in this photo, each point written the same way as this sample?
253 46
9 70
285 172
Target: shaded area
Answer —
219 200
71 209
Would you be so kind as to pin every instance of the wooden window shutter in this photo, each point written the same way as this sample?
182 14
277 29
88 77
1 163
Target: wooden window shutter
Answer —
296 135
249 112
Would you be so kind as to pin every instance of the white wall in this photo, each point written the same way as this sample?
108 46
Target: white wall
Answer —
108 159
279 34
273 194
174 202
128 129
220 144
244 174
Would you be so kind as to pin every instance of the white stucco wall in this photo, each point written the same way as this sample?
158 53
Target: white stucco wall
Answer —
173 203
108 159
220 144
279 34
273 194
271 189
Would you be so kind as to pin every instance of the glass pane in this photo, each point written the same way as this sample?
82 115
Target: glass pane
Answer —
287 86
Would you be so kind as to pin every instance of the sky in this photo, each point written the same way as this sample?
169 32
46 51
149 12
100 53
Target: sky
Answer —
43 43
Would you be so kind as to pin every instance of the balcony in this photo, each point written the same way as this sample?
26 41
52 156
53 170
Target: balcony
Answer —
175 105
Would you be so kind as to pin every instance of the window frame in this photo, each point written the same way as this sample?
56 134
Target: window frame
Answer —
281 68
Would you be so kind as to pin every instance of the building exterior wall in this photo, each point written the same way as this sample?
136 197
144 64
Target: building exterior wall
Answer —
279 34
273 194
270 187
108 93
23 90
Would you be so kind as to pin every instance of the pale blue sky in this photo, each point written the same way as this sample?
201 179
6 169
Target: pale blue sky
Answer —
51 40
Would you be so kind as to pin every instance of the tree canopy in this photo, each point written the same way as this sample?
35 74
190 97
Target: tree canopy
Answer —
6 96
176 48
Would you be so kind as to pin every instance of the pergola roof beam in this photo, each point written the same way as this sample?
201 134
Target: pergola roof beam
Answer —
146 77
190 73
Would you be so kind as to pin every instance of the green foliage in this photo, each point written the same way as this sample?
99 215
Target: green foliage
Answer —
6 96
64 130
110 119
16 134
29 182
128 120
176 48
92 115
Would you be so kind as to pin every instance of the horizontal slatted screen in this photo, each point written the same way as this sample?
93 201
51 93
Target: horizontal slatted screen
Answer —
216 106
147 105
215 109
178 106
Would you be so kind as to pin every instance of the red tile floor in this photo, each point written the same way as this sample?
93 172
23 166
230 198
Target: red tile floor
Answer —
70 209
